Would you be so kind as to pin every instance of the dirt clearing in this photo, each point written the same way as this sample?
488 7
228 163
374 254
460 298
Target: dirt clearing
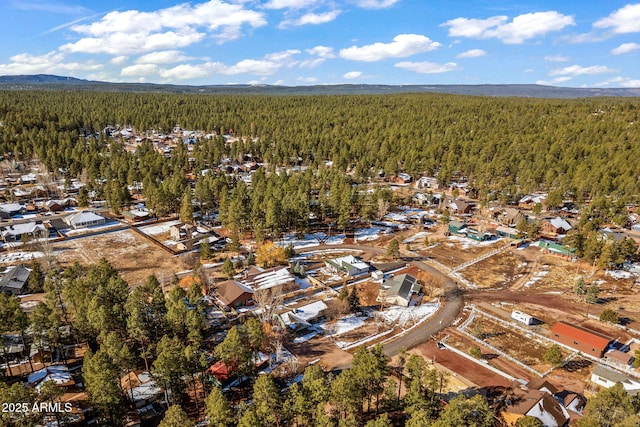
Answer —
132 255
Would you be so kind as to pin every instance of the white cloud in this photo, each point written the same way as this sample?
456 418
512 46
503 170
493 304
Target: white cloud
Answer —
630 83
49 63
119 60
352 75
521 28
427 67
307 79
311 63
554 81
132 31
311 19
128 44
623 20
267 66
321 51
473 53
473 28
188 71
625 48
376 4
48 6
289 4
577 70
403 45
139 70
556 58
163 57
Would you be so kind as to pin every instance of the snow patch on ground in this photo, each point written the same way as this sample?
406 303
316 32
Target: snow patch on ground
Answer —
619 274
344 325
418 236
309 240
19 256
367 234
154 230
402 315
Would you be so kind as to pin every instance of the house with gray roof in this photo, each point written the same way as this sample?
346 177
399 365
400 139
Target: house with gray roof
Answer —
349 265
399 290
83 219
607 378
14 279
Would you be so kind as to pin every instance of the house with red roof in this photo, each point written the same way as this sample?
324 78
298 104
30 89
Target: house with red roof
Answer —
584 340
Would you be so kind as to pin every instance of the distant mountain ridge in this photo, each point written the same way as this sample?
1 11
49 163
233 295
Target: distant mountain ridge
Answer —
52 82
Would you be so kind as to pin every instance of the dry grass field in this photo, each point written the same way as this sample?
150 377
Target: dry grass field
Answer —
132 255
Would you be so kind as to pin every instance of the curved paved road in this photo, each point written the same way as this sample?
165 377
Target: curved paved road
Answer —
453 303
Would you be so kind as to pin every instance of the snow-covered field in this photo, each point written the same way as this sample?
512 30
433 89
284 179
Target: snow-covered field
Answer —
402 315
344 325
154 230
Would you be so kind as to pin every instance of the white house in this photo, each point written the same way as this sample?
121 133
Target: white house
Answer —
84 219
607 378
14 232
522 317
349 265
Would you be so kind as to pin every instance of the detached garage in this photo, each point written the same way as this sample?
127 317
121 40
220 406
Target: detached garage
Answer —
584 340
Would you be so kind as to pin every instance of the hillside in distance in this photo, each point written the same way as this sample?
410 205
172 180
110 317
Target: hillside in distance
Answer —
51 82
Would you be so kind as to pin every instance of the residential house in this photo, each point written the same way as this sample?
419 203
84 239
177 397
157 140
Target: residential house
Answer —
182 231
83 219
140 388
29 178
304 316
30 192
399 290
554 227
456 206
607 378
555 248
278 278
15 279
136 215
348 265
26 230
531 200
427 182
7 210
509 216
59 374
573 402
509 232
582 339
233 294
522 401
620 358
404 178
456 227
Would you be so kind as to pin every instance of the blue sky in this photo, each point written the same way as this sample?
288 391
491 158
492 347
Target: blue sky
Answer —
303 42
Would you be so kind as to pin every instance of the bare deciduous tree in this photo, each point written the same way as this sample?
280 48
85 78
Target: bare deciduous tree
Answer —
269 300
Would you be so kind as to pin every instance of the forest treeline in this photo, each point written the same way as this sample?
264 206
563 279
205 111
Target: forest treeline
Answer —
505 146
